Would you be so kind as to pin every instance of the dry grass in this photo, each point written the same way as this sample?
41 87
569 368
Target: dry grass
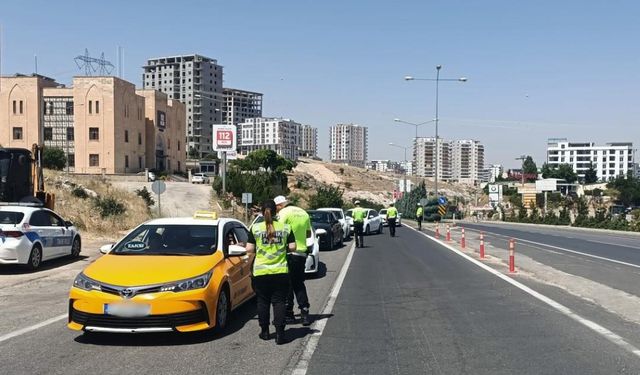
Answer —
82 211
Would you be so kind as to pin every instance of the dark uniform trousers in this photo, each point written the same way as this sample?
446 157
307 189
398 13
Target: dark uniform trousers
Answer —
392 226
271 289
358 227
297 265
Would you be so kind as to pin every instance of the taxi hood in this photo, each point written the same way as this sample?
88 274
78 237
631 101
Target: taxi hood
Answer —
136 270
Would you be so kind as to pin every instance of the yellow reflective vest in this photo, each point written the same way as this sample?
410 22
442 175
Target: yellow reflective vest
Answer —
271 258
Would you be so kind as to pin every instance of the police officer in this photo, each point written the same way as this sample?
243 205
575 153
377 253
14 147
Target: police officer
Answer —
300 224
419 215
392 216
270 240
358 215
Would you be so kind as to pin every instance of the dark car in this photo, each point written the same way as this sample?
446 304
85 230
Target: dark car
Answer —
327 228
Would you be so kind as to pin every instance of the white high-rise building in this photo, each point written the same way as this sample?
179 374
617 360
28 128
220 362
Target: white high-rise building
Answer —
308 141
277 134
609 161
467 161
348 144
424 158
196 81
495 172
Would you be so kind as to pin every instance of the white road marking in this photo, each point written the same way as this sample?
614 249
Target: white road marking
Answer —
604 332
311 343
569 250
34 327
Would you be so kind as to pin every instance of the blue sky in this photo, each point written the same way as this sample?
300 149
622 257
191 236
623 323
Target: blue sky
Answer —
536 69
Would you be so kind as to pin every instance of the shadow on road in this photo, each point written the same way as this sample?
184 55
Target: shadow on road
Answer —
20 269
322 272
238 319
294 333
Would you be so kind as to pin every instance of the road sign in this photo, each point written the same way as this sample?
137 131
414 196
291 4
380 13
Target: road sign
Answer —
442 210
424 201
247 198
158 187
231 155
442 200
224 137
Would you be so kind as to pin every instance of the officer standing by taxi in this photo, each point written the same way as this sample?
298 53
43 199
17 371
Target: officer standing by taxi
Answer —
419 215
270 240
300 223
358 215
392 216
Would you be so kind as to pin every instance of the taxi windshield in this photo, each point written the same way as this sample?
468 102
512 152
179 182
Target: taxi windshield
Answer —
169 240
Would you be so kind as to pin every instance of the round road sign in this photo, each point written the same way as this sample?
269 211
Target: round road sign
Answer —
158 187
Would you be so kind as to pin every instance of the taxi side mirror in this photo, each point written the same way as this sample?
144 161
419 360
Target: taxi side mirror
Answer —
104 249
237 250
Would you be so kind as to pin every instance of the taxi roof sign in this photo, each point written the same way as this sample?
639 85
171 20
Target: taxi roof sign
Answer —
201 214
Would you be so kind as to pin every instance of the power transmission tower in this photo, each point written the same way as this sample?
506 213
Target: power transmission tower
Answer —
88 64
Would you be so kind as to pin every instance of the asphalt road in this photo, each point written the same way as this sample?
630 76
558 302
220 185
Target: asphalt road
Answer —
410 306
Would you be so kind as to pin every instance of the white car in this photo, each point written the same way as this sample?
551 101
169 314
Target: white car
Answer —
383 216
372 221
199 178
30 235
341 218
313 259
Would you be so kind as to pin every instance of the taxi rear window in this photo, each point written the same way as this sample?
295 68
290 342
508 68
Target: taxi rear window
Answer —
11 217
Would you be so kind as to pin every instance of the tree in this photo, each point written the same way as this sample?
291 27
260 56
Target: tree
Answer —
266 160
327 196
530 169
563 172
546 171
590 176
193 153
54 158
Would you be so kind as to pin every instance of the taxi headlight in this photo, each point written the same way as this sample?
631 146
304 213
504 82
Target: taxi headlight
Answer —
198 282
85 283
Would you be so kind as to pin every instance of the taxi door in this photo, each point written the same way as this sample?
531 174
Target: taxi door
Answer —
242 236
235 266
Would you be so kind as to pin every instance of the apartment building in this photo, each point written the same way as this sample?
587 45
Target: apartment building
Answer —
277 134
196 81
99 122
495 172
240 105
308 141
348 144
467 161
424 158
611 160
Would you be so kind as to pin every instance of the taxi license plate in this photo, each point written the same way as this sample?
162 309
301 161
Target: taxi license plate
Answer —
127 310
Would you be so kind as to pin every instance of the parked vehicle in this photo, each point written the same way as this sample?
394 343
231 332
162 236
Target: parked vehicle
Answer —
383 216
327 228
372 221
342 218
199 178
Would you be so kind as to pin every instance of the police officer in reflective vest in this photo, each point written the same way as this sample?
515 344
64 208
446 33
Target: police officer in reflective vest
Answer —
392 216
270 240
358 215
300 223
419 215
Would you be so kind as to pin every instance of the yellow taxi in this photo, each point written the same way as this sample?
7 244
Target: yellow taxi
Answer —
172 274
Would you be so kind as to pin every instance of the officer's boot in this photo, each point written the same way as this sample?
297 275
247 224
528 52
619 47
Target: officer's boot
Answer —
306 321
289 318
280 337
264 332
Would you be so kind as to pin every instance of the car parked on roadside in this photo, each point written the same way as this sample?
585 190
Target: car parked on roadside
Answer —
327 228
30 234
170 274
199 178
372 221
313 258
342 218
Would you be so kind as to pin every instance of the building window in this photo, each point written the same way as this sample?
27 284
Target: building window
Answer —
126 161
169 144
97 107
21 107
48 134
126 136
17 133
90 106
140 162
71 160
14 107
70 135
94 134
178 145
139 138
69 108
94 160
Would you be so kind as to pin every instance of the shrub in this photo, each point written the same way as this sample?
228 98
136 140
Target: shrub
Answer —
327 196
146 196
79 192
109 206
54 158
348 185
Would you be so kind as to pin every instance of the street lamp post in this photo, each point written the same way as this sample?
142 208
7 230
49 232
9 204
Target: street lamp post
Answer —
523 158
404 189
437 80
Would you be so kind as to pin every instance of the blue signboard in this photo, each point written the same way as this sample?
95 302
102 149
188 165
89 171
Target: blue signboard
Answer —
442 200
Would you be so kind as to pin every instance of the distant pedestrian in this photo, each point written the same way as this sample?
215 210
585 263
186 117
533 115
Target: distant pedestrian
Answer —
358 215
392 216
270 240
300 223
419 215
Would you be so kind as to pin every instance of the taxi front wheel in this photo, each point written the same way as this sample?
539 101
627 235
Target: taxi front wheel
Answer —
222 310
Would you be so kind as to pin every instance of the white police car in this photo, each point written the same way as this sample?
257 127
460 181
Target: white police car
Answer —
30 235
